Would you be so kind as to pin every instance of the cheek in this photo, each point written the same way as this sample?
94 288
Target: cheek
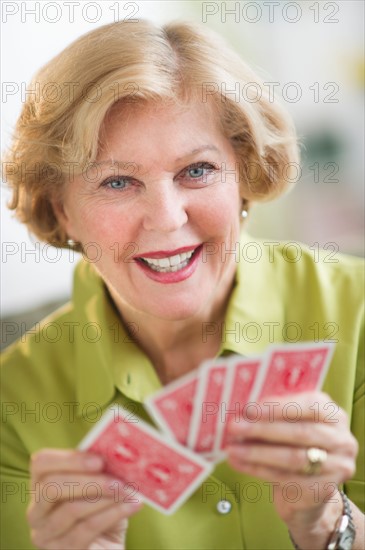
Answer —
105 224
220 216
115 232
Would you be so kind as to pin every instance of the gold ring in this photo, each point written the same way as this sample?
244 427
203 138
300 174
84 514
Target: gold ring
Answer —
316 458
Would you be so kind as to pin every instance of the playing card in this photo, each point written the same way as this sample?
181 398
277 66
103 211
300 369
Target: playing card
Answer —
241 376
164 472
207 406
172 406
292 368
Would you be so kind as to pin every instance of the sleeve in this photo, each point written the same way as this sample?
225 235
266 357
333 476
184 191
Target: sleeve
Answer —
15 495
355 488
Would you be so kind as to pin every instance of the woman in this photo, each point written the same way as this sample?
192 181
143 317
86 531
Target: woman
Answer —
145 165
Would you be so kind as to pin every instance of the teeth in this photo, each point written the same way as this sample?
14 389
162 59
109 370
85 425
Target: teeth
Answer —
175 260
169 264
163 262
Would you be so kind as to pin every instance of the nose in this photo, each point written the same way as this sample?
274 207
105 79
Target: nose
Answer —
165 208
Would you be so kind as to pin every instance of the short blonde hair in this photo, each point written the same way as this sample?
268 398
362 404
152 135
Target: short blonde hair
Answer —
140 62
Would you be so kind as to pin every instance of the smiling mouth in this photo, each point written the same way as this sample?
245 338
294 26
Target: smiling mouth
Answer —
169 264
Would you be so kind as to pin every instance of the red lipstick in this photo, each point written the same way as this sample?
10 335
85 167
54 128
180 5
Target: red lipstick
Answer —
158 254
172 276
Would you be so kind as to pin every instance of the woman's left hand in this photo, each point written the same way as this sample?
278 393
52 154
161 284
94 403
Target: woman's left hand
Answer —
274 447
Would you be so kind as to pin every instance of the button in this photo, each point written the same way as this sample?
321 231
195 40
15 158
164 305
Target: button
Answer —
224 506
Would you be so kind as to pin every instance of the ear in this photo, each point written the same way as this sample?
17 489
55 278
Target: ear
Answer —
62 217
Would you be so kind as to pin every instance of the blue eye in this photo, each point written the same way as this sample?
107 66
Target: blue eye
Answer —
117 183
200 171
196 172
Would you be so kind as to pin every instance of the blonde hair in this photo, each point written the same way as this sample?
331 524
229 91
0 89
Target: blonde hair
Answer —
59 130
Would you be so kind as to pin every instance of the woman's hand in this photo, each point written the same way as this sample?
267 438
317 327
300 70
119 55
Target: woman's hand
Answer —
274 447
74 504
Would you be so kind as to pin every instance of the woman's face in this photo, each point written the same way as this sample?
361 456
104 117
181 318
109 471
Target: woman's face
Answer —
161 210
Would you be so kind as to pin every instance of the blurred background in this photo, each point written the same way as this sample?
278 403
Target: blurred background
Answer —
311 54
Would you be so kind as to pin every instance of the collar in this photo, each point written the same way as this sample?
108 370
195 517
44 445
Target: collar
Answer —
255 306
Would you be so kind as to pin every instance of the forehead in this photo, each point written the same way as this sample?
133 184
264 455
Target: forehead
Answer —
136 126
124 111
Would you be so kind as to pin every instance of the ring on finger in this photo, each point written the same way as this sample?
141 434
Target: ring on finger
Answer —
315 459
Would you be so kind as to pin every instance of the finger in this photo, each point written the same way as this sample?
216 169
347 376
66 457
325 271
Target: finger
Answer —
55 489
261 471
68 514
308 433
273 475
87 530
311 406
47 461
317 487
115 541
289 460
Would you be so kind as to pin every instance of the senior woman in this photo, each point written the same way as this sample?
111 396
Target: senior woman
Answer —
145 163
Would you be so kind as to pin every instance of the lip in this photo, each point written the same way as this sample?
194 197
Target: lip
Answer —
158 254
174 276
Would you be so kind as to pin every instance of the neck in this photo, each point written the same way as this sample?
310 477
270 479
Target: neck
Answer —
176 347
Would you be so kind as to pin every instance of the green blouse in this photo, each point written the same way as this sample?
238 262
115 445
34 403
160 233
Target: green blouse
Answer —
60 376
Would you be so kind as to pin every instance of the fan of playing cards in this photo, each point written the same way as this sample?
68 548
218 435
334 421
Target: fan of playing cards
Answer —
193 413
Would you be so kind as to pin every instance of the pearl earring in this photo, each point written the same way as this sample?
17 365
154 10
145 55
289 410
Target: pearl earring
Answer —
244 211
71 243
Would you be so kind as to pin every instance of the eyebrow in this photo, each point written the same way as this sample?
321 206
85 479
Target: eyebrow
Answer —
186 155
199 150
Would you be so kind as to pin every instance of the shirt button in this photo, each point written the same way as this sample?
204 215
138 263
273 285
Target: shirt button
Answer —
224 507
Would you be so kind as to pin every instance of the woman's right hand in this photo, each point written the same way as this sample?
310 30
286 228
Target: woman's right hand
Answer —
75 505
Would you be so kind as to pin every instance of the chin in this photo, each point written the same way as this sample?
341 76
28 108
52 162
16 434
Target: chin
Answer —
175 312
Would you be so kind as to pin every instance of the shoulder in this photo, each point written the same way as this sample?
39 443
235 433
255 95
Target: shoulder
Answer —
327 275
50 344
302 257
45 364
296 267
41 354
